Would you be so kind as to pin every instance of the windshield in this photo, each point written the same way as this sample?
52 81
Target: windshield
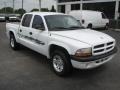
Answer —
62 22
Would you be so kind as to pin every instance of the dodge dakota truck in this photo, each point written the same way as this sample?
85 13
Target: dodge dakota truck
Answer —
63 40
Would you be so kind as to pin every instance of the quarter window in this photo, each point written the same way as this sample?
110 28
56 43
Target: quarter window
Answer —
104 16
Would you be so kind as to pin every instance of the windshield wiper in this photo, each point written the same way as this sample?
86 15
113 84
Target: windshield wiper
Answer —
60 28
68 28
76 27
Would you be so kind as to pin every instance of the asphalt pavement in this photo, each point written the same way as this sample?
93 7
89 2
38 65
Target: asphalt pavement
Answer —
28 70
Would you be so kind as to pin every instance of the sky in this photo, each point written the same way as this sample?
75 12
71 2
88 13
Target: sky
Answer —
28 4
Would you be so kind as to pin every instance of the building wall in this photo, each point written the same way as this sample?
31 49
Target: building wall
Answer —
119 7
60 1
106 6
119 10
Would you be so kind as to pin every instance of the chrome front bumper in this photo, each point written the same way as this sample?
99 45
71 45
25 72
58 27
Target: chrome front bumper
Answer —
93 62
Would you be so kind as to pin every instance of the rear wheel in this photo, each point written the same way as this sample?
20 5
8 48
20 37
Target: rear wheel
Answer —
89 26
106 26
13 44
61 63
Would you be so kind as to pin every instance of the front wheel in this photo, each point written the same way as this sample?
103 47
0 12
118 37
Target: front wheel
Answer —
61 63
13 44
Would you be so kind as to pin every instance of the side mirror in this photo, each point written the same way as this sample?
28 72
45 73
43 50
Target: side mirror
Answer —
40 27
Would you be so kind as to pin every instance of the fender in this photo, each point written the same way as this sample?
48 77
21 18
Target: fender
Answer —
15 34
86 23
12 29
89 22
61 44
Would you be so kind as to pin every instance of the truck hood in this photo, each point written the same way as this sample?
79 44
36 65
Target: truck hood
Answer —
87 36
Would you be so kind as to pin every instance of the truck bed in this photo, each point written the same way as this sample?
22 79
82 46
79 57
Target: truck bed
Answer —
12 27
13 24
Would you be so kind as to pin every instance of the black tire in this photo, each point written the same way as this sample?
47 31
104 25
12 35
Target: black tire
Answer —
89 26
67 67
13 44
106 27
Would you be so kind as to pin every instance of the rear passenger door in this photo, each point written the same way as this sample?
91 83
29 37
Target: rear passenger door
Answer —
24 30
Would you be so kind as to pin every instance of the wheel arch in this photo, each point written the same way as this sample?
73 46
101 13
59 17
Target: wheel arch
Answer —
54 46
11 32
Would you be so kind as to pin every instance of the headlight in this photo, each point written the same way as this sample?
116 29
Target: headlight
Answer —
85 52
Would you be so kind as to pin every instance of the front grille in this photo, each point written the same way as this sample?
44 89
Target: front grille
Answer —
109 47
103 48
109 43
97 51
99 46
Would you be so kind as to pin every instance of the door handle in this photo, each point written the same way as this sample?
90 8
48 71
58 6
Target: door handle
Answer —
20 30
30 33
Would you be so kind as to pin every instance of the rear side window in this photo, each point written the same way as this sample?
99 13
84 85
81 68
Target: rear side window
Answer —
104 16
26 20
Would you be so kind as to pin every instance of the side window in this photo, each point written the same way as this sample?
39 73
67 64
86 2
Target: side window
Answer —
26 20
104 16
38 23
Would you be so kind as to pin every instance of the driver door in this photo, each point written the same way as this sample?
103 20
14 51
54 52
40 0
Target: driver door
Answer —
39 35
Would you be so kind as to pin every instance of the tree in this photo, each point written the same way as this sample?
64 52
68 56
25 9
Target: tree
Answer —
1 11
6 10
44 10
35 9
20 11
53 9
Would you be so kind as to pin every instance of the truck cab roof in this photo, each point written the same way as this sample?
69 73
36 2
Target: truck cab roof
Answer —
86 11
45 13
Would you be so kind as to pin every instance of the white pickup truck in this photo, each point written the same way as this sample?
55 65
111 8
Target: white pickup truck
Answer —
63 40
